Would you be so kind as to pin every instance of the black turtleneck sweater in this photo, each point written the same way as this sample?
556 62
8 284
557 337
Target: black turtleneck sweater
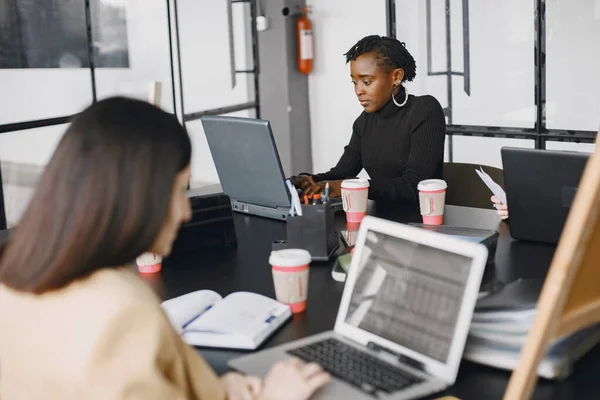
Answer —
397 146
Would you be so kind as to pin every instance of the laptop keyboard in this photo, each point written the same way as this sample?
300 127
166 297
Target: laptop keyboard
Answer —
355 367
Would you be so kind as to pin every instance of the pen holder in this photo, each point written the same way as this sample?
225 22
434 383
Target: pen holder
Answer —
314 232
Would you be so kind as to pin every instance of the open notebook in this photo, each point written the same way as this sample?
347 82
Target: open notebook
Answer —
241 320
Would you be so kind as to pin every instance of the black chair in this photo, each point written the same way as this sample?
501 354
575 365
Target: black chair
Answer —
466 189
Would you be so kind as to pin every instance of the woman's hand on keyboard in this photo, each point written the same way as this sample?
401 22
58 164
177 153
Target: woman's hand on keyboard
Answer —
293 379
300 181
240 387
335 188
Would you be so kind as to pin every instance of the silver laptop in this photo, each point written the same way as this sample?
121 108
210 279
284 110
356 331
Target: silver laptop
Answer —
248 165
403 319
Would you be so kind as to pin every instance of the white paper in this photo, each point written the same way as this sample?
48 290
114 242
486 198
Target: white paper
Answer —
493 186
240 313
183 309
295 199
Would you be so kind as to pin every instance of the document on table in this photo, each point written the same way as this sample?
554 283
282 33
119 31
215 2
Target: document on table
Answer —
493 186
241 320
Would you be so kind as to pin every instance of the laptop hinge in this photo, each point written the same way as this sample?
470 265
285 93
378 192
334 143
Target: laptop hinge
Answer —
401 358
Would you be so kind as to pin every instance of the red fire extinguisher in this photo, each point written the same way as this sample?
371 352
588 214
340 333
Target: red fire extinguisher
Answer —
305 43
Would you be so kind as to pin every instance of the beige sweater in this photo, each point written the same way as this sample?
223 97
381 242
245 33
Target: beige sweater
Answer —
104 337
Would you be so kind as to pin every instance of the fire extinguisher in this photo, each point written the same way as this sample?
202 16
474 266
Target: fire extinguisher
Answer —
305 43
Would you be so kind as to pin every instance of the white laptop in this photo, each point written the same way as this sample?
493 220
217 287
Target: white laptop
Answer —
403 320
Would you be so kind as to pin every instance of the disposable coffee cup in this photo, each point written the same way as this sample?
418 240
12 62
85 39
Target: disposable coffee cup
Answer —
355 196
290 277
149 263
432 198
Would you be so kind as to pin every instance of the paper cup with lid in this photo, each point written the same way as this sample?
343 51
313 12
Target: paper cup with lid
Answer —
149 263
290 268
432 199
355 197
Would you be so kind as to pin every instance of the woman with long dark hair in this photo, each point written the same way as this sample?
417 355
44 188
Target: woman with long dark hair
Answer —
75 323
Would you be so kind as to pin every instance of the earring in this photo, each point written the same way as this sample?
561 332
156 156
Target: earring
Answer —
405 99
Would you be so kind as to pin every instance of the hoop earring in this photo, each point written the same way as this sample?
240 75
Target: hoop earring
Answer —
405 99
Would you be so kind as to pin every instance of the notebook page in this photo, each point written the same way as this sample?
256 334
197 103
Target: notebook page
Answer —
183 309
243 313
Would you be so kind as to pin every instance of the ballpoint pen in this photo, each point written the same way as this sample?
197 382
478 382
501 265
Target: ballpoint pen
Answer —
326 196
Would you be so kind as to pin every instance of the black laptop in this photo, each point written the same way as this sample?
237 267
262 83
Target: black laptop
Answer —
540 188
248 165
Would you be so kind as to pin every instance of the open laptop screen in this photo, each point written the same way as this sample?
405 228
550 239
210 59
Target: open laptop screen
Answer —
409 293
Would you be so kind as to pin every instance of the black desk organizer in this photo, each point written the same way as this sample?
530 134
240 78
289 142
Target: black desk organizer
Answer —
211 223
314 232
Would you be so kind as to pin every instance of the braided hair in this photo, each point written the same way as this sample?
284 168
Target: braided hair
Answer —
390 53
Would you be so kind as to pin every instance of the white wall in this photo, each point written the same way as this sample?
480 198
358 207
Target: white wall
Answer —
205 54
337 25
32 147
573 64
569 146
148 37
206 73
32 94
501 59
483 150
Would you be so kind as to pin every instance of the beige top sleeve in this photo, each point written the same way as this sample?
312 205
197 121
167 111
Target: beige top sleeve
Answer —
141 356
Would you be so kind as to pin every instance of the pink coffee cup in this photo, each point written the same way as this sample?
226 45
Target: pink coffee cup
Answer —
432 198
290 277
355 198
149 263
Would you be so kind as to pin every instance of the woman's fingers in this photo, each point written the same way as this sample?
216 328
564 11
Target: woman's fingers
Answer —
295 361
312 190
318 380
311 369
254 384
237 387
500 206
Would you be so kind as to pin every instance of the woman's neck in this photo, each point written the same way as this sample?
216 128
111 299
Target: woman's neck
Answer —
390 109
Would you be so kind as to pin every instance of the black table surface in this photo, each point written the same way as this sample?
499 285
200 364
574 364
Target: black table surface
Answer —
246 268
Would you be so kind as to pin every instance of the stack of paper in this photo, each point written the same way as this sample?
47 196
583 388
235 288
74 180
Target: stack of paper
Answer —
502 350
501 323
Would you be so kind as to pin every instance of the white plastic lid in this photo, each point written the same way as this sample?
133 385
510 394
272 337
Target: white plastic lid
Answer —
146 259
431 185
357 183
290 258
